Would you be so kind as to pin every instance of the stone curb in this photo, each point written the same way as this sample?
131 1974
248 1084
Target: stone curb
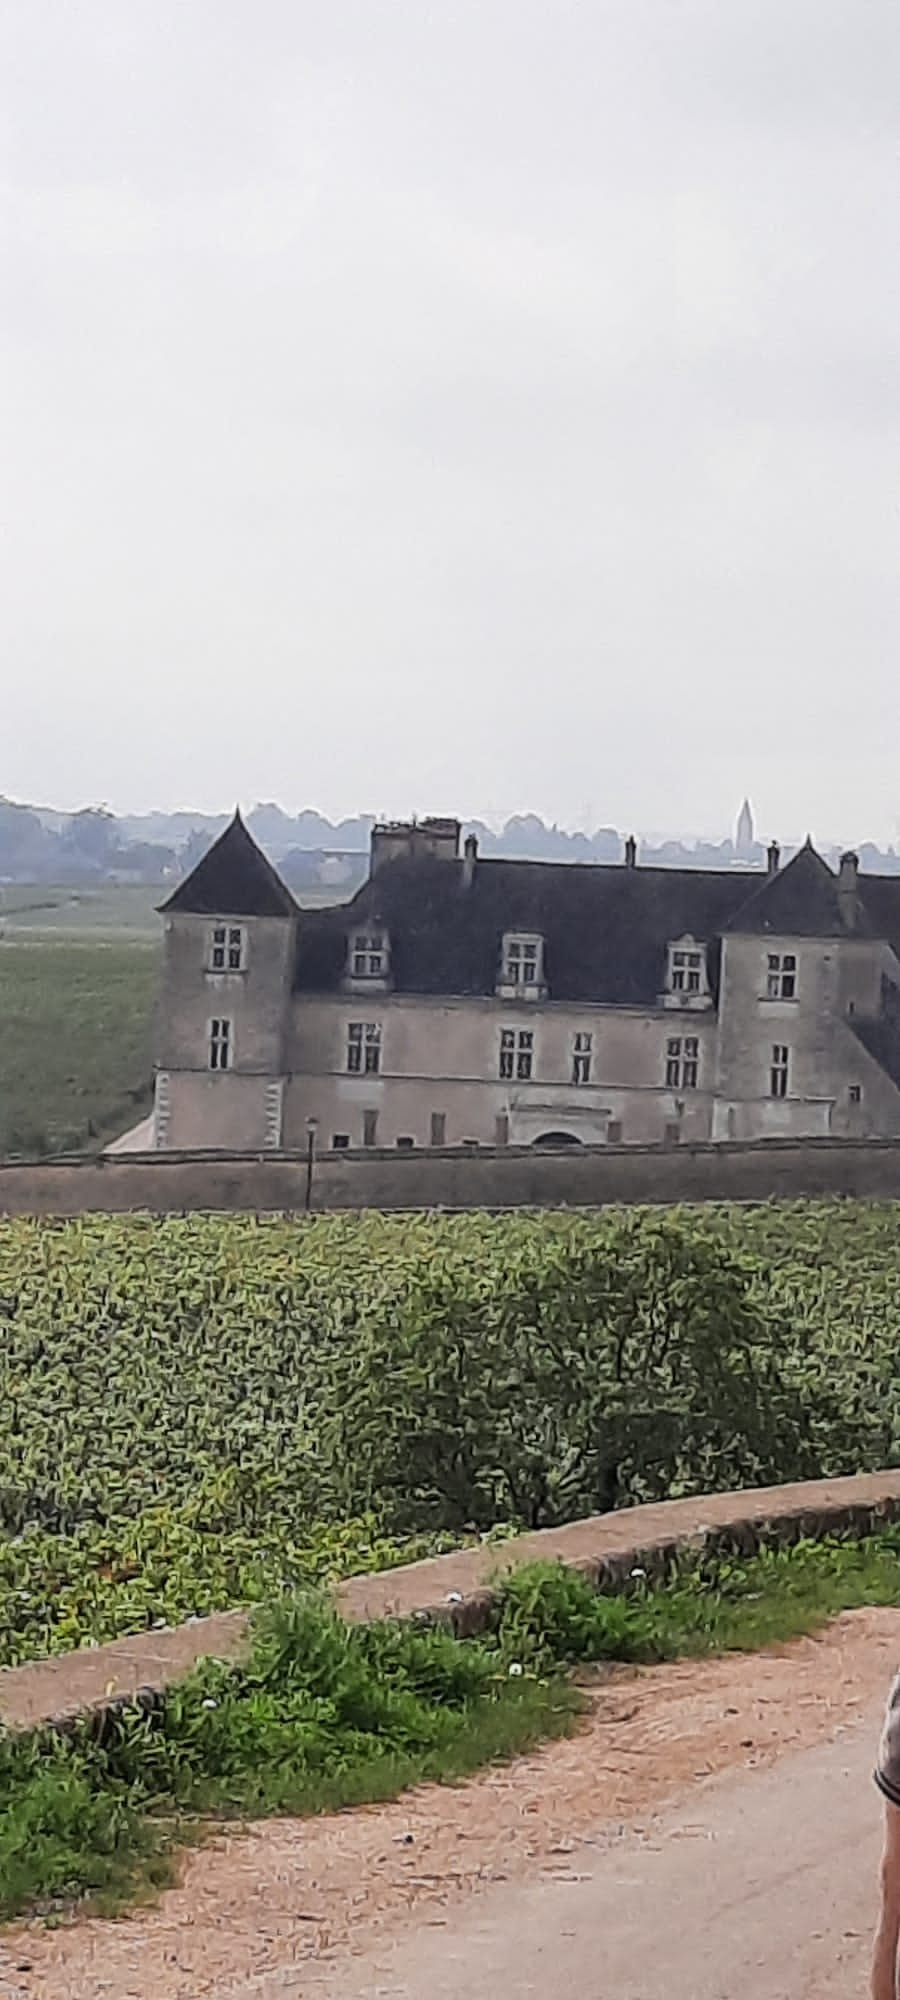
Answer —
459 1591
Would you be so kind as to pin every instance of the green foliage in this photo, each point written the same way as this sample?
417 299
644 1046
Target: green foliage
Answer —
201 1411
622 1360
58 1592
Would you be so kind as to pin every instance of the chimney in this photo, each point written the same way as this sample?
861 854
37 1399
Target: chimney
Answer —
631 852
773 857
470 856
848 890
413 839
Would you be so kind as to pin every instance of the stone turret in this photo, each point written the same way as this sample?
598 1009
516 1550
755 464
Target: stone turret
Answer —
229 943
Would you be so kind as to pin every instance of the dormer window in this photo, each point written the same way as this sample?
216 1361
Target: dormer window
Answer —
228 948
522 964
687 973
369 955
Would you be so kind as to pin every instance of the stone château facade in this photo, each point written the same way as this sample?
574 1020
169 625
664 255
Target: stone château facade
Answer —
459 1001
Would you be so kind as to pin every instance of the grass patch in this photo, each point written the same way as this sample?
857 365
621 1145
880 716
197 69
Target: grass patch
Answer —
551 1618
326 1715
323 1715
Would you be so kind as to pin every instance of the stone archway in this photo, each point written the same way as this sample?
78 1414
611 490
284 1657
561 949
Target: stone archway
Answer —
556 1140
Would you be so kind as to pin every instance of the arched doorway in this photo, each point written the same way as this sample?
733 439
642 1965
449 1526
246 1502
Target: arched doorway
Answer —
556 1139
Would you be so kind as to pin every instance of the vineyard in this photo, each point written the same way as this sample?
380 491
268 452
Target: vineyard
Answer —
198 1412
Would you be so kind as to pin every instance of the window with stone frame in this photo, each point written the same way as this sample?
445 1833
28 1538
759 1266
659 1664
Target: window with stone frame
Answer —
227 948
781 975
687 968
364 1048
221 1044
368 954
682 1062
522 959
779 1071
582 1055
516 1054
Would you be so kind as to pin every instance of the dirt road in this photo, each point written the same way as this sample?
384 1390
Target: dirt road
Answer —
759 1888
711 1834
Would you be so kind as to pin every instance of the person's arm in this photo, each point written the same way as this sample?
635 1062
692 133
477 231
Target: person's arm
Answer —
887 1778
887 1936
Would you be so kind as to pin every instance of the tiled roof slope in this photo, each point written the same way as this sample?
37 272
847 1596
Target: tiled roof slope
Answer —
233 879
606 928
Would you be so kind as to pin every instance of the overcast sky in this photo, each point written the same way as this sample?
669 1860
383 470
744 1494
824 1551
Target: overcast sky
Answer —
479 405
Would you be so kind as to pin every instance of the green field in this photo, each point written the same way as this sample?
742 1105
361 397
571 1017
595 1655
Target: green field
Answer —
200 1411
111 910
76 1041
79 972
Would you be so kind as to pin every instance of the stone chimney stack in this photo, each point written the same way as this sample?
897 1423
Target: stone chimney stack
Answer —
848 890
773 857
413 839
631 852
470 857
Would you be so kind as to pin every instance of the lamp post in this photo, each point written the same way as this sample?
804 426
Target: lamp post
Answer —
312 1126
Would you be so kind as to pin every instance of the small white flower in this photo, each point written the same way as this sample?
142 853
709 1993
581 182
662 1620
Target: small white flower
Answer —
641 1573
454 1597
515 1669
209 1703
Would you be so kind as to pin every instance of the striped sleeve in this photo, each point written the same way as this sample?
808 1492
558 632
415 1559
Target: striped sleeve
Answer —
887 1769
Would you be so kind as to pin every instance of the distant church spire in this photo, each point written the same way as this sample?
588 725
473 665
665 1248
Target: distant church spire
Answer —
745 837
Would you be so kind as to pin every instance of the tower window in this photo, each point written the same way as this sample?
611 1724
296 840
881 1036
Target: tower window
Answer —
781 975
221 1045
778 1073
228 948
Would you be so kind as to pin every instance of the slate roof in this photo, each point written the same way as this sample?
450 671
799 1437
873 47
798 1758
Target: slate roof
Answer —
880 895
881 1038
606 928
233 879
801 900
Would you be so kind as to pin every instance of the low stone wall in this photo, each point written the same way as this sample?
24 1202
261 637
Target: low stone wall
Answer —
460 1590
586 1177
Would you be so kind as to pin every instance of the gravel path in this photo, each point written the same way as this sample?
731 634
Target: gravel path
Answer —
719 1811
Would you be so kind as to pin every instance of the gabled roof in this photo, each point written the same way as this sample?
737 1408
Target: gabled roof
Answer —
606 928
233 878
801 900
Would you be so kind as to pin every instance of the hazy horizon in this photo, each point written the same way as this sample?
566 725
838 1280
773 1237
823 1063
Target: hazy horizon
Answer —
650 835
483 408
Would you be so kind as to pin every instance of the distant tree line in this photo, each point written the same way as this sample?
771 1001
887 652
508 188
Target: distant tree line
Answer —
41 845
